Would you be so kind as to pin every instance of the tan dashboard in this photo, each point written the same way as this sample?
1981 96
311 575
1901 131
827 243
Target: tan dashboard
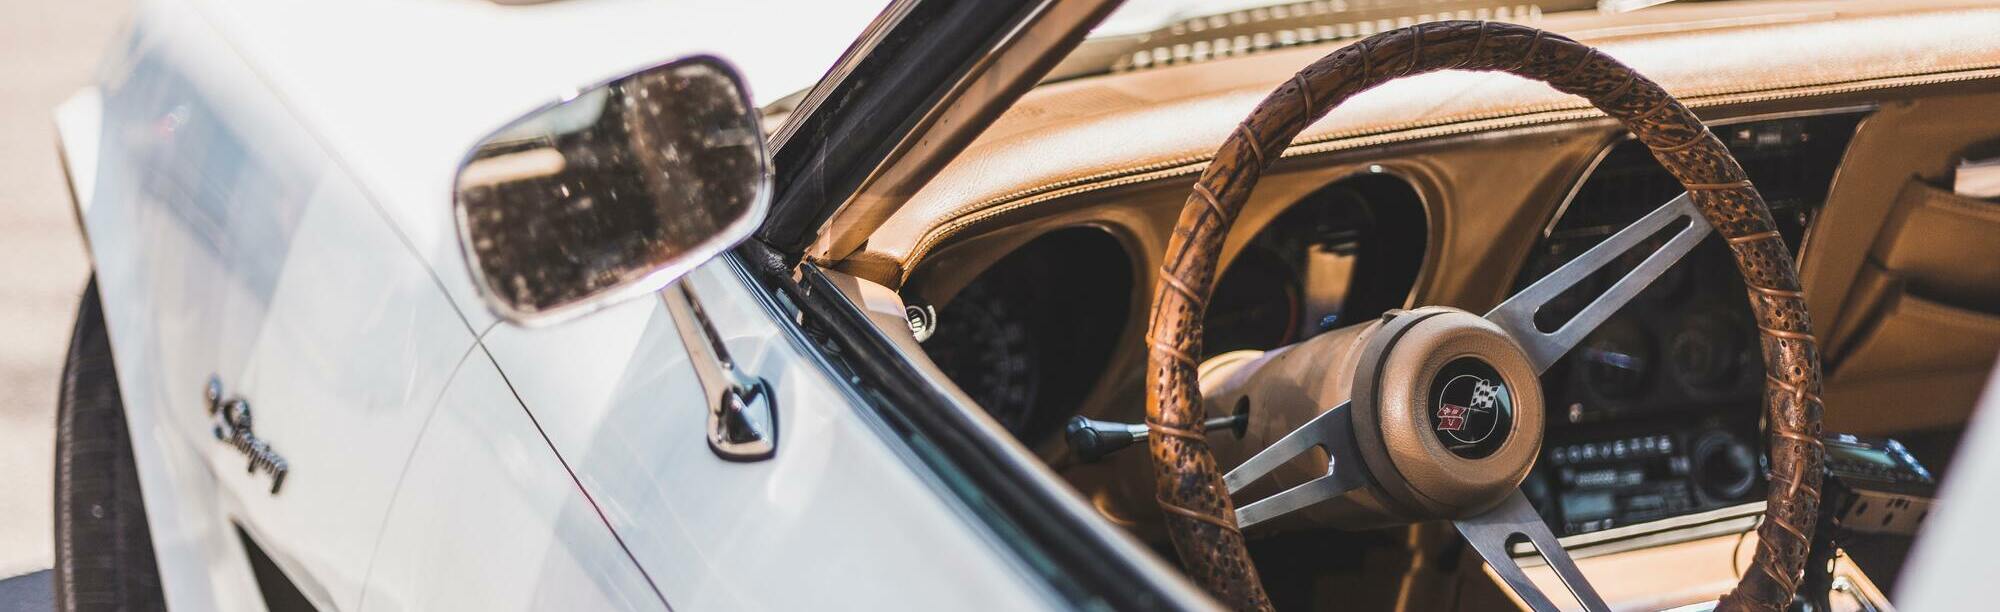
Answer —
1493 159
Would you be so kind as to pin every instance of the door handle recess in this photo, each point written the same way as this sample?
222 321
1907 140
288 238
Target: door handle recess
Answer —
742 412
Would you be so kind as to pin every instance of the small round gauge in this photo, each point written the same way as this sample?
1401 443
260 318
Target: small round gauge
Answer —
1256 305
1616 361
1725 469
1703 354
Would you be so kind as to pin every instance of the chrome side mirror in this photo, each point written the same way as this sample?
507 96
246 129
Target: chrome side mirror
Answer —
613 192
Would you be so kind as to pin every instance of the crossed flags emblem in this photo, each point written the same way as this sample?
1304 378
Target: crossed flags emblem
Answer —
1451 417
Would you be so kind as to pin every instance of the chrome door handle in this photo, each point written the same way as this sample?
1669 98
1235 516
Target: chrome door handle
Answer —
742 412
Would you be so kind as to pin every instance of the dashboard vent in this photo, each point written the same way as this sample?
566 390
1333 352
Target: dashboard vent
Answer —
1301 23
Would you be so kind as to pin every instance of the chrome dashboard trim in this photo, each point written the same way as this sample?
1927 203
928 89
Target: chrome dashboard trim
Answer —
1740 518
1575 187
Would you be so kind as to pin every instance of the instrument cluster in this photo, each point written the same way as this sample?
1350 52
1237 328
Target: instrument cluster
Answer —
1656 414
1346 253
1031 335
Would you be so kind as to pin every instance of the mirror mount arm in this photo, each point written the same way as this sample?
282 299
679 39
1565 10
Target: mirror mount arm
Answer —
742 411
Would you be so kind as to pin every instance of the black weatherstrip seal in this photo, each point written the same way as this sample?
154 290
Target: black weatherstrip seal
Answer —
873 108
1078 564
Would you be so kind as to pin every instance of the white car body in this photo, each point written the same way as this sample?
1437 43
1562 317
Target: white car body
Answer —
266 189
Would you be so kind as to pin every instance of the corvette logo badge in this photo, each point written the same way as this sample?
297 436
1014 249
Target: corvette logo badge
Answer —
1471 409
1452 417
232 426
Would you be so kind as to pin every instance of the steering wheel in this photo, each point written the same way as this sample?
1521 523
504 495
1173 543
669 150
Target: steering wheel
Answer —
1445 416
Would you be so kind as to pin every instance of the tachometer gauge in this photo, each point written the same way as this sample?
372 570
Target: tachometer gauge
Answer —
1617 361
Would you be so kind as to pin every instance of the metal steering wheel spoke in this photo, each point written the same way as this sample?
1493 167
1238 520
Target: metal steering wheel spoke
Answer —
1517 314
1332 430
1492 532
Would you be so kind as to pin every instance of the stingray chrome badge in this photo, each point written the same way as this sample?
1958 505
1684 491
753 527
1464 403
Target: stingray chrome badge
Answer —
232 425
1471 408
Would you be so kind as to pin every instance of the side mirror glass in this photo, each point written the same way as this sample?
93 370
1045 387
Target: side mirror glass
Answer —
614 192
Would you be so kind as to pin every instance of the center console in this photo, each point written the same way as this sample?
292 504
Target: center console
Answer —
1655 415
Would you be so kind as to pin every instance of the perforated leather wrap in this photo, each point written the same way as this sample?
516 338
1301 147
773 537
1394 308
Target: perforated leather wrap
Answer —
1201 517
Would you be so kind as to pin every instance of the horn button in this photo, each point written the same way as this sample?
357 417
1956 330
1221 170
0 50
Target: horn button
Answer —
1471 409
1447 412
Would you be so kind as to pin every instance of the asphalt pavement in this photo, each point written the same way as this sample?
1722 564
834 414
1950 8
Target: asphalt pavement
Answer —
47 51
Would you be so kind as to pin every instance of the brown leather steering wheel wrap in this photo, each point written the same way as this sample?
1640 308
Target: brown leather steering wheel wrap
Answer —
1201 518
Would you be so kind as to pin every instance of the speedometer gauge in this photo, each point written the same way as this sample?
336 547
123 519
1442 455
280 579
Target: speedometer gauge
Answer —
1256 305
989 351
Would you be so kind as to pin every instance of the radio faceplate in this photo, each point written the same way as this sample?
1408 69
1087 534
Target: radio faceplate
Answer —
1627 475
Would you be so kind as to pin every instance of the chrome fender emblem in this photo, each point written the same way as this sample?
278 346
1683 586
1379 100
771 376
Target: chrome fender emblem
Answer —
232 426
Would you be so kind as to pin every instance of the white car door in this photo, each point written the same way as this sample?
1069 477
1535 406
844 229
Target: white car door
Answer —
231 248
350 361
835 518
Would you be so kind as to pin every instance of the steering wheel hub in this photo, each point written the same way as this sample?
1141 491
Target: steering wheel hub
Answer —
1447 412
